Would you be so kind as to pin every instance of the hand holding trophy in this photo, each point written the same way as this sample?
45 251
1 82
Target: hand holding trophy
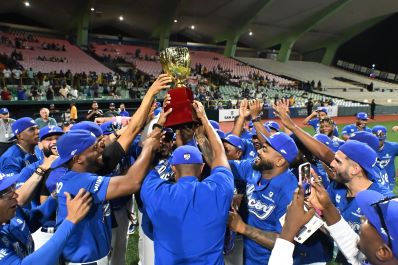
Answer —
176 62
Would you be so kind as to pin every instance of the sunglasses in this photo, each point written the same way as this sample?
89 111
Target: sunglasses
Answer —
377 207
8 193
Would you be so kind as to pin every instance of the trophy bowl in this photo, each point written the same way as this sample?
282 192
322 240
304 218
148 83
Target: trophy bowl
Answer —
176 62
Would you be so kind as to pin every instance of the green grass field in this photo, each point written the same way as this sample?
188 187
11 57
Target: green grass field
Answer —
132 249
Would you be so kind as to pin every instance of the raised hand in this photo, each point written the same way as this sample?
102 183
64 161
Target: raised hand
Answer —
48 161
255 108
281 109
154 139
79 206
160 83
244 108
200 110
163 116
319 197
235 222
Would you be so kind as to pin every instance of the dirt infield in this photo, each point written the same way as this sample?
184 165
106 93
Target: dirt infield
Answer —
227 126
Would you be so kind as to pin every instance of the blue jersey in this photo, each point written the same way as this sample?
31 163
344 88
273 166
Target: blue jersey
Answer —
348 207
314 123
352 128
39 153
250 150
189 217
381 177
124 113
15 159
16 243
91 238
53 177
386 160
267 203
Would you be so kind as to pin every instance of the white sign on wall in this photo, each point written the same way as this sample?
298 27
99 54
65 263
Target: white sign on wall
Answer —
227 114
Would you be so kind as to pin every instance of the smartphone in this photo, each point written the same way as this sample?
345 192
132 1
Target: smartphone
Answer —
305 178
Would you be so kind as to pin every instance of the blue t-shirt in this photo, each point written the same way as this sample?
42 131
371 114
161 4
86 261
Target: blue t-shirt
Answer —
189 217
91 237
315 124
352 128
386 160
250 150
15 159
124 113
267 203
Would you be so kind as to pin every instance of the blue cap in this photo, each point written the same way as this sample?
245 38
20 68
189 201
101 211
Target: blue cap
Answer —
283 144
250 124
88 126
6 180
362 116
215 124
221 134
273 125
323 138
4 111
50 130
107 128
389 211
362 154
186 154
235 141
21 125
367 138
349 129
157 111
380 132
322 109
71 144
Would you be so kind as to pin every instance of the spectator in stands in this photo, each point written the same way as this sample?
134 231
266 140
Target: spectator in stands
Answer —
64 91
73 112
17 75
319 85
94 112
74 93
112 111
45 119
309 104
5 130
53 110
30 75
21 93
7 76
122 111
5 94
50 92
372 109
35 92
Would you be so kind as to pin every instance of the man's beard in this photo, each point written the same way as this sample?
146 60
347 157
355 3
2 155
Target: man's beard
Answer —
263 165
49 151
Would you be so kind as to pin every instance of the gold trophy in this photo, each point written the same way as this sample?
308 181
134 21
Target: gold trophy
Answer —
176 62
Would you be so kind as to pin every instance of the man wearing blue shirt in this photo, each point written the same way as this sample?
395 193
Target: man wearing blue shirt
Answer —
386 152
269 190
16 226
189 217
122 111
314 120
21 153
80 151
359 125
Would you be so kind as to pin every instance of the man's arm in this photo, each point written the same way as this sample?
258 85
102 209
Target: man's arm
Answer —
264 238
139 118
131 182
90 114
255 107
318 149
220 159
307 119
243 114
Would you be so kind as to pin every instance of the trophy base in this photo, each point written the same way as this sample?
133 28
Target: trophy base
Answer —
181 103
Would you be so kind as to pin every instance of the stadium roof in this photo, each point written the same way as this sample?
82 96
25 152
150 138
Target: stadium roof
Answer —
309 24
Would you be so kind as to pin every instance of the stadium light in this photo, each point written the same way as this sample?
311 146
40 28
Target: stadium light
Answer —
175 20
121 18
373 65
251 33
27 4
92 9
192 27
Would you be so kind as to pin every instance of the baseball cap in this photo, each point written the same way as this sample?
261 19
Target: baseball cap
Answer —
380 131
362 116
21 125
362 154
215 124
50 130
250 124
220 133
6 180
322 109
88 126
323 138
106 128
367 138
4 111
112 104
349 129
283 144
168 134
235 141
186 154
71 144
272 125
382 213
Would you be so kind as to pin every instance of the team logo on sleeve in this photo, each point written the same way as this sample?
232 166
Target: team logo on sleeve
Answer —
3 253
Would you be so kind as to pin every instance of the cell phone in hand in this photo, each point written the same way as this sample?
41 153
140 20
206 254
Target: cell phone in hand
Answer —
305 178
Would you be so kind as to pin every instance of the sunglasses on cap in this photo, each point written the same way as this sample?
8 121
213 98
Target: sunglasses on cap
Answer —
8 193
377 207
